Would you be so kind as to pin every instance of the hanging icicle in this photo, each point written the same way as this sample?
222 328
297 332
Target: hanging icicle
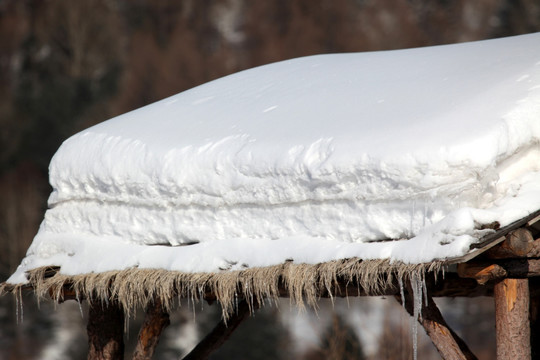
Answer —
419 293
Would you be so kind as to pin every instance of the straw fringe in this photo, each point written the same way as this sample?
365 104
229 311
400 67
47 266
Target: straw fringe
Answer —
304 283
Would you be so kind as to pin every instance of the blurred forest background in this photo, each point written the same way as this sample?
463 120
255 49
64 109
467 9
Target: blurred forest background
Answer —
66 65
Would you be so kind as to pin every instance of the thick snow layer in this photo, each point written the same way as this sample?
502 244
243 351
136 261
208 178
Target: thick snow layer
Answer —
310 160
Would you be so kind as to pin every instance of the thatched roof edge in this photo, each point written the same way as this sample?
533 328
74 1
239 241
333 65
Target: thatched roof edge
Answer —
303 283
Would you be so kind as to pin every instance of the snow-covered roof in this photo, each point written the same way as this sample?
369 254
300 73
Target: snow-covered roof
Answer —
400 156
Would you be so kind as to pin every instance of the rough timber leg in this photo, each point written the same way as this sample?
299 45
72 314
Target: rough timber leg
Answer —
219 334
155 321
449 345
512 319
534 283
105 331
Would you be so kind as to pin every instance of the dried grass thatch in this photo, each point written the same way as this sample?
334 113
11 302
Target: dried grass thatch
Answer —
303 283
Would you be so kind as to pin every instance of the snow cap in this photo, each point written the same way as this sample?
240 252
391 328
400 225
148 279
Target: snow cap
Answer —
397 157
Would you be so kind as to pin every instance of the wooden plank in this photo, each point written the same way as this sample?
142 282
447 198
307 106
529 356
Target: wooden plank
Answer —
219 334
512 319
476 251
505 230
105 331
490 241
533 221
155 320
449 345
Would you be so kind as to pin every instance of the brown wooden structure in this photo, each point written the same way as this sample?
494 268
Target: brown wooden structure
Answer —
504 264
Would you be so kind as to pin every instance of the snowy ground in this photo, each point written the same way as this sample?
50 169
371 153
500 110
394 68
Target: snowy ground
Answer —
310 160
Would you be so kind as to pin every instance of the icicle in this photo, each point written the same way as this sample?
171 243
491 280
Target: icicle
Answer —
411 231
21 312
192 304
250 296
201 297
126 326
424 289
425 214
401 291
417 289
80 307
17 306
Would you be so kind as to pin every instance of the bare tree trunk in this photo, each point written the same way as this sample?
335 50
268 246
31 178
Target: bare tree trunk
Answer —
512 319
105 331
155 321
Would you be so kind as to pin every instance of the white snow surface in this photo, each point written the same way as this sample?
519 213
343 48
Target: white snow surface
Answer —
311 160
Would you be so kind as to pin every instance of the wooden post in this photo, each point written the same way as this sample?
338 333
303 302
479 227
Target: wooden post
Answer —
449 345
105 331
534 311
155 321
219 334
512 319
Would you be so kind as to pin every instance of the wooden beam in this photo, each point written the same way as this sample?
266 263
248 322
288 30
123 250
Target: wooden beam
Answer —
452 285
449 345
486 270
517 244
449 285
105 331
155 320
482 273
512 319
219 334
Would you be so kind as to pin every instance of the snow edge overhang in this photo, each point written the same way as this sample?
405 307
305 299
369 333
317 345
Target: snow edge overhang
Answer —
303 283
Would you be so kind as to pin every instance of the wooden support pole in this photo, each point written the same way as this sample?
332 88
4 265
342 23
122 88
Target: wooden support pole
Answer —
449 345
105 331
155 320
512 319
534 311
219 334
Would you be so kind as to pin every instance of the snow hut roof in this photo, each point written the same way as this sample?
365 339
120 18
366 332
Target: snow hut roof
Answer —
397 156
